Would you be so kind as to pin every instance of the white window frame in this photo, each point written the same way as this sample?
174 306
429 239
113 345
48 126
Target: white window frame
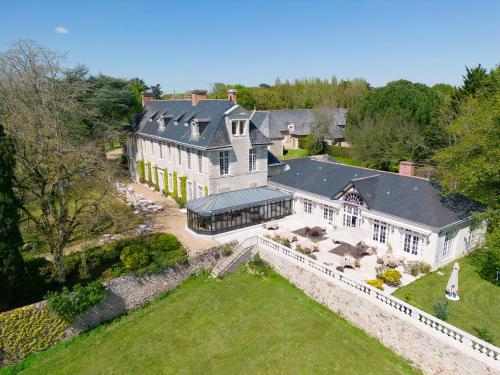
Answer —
307 206
447 248
380 231
200 162
161 150
238 128
224 163
252 159
152 148
328 213
170 152
170 181
350 213
188 156
411 243
242 127
179 155
200 192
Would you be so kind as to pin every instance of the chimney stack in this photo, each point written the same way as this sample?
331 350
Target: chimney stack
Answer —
231 93
146 96
406 168
197 95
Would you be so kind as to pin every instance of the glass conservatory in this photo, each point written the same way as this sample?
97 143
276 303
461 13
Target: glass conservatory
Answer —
232 210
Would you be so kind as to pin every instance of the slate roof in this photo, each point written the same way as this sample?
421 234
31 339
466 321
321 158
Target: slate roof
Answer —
272 159
273 123
209 113
237 199
410 198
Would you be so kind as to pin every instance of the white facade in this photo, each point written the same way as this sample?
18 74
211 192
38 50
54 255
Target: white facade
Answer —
207 171
413 241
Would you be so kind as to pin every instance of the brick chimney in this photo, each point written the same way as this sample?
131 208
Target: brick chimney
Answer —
231 95
406 168
146 96
197 95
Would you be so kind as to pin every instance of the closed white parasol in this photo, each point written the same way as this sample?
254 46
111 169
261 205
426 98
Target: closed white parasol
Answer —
452 286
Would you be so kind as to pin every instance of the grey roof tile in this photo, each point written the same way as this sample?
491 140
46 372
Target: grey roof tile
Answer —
410 198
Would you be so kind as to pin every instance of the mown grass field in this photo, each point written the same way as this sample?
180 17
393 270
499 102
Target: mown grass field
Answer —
243 324
479 303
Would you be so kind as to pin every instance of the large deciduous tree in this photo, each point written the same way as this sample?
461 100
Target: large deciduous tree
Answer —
11 261
470 165
411 105
61 176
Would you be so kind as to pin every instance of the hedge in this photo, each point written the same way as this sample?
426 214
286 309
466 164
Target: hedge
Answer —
184 188
150 175
342 152
175 191
165 182
28 329
141 171
157 182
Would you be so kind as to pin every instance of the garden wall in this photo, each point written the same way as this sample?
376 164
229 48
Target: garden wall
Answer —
432 354
33 328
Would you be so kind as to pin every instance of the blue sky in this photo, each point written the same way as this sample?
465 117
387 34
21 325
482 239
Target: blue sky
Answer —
191 44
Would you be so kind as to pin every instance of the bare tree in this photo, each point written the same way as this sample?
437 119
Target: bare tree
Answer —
62 177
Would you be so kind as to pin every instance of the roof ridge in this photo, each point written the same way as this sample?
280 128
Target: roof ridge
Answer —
364 178
365 168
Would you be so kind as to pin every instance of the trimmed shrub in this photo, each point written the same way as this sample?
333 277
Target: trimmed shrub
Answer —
317 146
441 309
376 283
227 250
175 191
337 151
392 277
150 175
206 191
26 330
157 182
134 257
141 171
484 334
183 188
304 142
69 304
165 182
417 268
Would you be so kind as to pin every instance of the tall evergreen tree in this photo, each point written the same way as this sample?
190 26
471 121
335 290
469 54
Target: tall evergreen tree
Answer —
11 261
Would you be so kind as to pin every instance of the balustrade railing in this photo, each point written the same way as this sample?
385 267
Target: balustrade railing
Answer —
400 307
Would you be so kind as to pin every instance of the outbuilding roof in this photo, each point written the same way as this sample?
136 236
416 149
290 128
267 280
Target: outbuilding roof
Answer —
411 198
238 199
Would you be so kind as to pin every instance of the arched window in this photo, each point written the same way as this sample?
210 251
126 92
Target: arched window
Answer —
353 198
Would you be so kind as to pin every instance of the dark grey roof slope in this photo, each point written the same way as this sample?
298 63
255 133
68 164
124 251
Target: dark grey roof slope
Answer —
237 199
209 113
273 123
410 198
272 159
212 135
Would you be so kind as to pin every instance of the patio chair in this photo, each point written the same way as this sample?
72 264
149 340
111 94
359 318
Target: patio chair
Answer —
357 263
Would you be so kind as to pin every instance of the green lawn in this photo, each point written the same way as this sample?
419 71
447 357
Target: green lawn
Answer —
242 324
295 153
479 303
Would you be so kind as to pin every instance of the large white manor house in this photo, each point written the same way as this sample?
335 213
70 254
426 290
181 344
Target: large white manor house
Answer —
210 155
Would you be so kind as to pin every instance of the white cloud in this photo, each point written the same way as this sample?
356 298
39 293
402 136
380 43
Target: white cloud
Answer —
61 30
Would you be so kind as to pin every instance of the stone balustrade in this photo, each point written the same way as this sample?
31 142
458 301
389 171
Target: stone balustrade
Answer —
453 335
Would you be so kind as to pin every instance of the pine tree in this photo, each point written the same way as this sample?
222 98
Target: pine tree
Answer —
11 261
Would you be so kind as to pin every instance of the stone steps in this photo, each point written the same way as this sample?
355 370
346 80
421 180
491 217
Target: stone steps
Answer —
240 254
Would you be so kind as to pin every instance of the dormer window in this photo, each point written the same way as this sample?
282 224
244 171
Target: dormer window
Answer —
291 127
195 131
238 127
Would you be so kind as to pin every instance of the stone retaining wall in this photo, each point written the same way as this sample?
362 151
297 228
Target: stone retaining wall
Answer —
124 294
426 351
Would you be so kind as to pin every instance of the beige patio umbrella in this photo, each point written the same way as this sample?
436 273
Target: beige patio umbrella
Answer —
452 286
